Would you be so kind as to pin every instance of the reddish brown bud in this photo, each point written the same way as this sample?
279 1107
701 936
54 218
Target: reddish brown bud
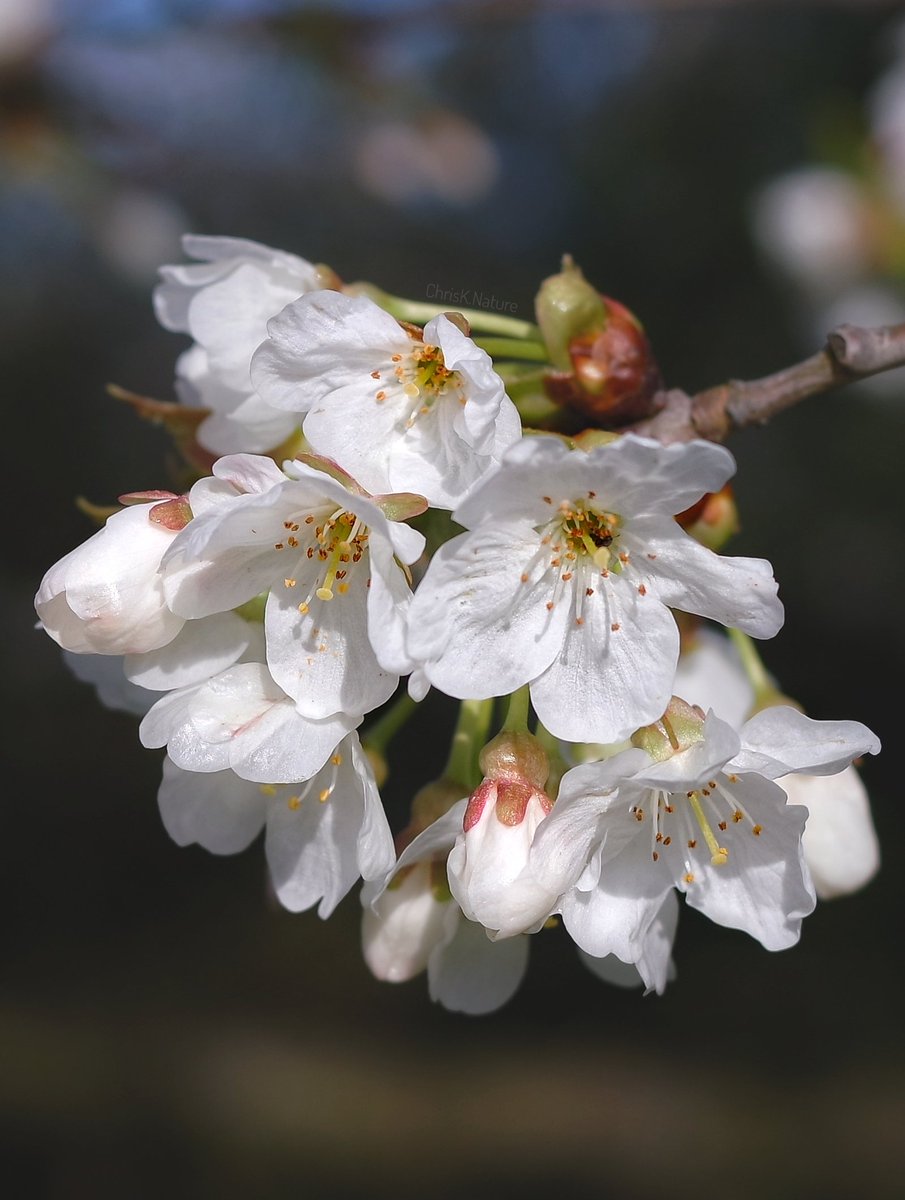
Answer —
614 375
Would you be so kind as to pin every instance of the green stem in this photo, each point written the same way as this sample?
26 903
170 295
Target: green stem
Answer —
506 347
419 313
467 742
753 665
517 712
382 732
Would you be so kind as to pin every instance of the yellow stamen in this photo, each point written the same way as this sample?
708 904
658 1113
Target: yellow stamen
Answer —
719 855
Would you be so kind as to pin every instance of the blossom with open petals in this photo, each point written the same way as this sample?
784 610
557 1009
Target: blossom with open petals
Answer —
696 810
329 558
565 578
401 410
321 834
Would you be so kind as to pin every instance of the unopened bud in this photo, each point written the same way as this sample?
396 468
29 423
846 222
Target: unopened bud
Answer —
567 307
606 369
513 755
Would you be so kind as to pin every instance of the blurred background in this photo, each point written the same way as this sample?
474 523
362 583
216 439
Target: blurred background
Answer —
733 172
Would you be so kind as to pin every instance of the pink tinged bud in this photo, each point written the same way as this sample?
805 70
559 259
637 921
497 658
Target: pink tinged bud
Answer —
488 866
515 767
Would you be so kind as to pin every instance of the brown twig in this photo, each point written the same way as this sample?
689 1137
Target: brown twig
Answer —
850 353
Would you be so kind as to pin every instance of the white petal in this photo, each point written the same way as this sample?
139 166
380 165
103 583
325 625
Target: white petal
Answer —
565 841
312 847
631 476
616 916
693 767
840 843
710 674
322 342
474 975
475 627
388 604
654 967
105 673
324 658
229 317
201 649
219 811
605 683
780 739
401 931
764 888
269 741
679 571
106 596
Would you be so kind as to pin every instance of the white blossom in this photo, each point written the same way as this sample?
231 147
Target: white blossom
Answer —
321 835
224 303
565 578
330 560
705 819
401 410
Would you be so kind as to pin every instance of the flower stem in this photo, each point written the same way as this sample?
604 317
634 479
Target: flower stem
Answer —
753 666
467 742
517 712
382 732
507 347
419 313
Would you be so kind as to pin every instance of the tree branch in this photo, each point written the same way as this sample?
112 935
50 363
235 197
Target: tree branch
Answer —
850 353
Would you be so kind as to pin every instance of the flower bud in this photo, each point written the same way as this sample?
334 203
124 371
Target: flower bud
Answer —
488 866
567 307
606 369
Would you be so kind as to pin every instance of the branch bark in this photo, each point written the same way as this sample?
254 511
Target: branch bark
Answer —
850 353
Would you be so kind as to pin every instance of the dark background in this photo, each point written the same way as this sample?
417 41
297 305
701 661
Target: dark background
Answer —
166 1030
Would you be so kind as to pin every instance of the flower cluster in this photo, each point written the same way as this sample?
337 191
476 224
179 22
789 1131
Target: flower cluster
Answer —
262 616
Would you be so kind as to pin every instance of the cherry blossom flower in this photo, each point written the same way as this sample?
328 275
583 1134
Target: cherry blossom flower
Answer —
224 303
696 810
411 923
321 834
564 579
400 409
840 842
330 559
